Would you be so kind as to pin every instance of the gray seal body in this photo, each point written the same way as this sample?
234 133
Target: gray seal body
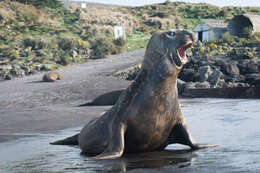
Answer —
147 116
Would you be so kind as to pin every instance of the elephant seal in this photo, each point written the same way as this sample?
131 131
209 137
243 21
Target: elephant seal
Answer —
109 98
52 76
147 115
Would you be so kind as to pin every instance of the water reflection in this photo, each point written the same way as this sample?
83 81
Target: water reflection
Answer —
234 124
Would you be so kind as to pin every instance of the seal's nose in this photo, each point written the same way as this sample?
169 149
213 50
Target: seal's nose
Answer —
191 34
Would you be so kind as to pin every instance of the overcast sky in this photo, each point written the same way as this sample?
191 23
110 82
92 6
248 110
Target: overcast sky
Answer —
215 2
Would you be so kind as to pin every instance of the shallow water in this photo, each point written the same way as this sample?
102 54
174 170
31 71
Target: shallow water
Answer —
233 124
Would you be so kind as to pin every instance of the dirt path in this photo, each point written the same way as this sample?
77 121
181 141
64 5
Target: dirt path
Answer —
29 106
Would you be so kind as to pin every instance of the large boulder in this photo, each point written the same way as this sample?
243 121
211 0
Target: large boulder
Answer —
204 72
16 71
215 77
253 79
189 75
248 66
228 68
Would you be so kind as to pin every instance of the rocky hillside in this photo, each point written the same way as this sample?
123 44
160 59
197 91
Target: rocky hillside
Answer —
35 37
41 38
225 63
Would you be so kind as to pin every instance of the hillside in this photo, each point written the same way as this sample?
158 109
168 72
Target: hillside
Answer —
39 38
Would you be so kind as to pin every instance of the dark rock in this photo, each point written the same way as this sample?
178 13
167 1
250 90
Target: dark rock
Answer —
181 86
221 64
204 84
235 78
221 84
215 77
8 77
232 69
247 67
236 84
33 71
16 71
204 72
228 68
39 67
189 75
253 79
189 85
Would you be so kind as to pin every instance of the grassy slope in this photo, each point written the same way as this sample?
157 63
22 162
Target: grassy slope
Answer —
45 39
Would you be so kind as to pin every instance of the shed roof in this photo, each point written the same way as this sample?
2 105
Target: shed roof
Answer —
215 23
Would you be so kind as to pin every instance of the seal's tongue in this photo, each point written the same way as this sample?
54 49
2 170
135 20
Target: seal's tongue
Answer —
182 49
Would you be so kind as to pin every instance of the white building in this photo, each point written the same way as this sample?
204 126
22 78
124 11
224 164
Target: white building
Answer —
210 29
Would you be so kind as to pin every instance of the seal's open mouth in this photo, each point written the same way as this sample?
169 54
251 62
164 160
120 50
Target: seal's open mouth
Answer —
181 55
181 51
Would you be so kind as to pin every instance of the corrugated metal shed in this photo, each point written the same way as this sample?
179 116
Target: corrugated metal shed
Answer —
210 29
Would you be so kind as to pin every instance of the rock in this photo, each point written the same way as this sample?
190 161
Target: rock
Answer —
237 85
215 77
189 85
52 77
232 69
253 79
228 68
16 71
247 67
189 75
204 72
26 69
33 71
221 84
204 84
8 77
181 86
235 78
74 54
39 67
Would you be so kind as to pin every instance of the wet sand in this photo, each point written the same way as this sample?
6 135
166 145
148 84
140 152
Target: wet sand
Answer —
231 123
29 106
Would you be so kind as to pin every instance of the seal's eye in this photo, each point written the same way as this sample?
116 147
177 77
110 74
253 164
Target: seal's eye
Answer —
170 34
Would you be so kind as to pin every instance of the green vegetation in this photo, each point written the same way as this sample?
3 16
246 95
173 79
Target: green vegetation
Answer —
137 40
43 35
42 3
229 46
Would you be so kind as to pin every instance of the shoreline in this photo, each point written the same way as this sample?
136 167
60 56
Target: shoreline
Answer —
29 106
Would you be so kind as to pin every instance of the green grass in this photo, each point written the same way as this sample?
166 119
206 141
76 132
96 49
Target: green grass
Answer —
137 40
190 23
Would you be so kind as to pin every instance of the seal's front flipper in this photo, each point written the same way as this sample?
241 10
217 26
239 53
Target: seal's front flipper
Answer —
181 135
115 148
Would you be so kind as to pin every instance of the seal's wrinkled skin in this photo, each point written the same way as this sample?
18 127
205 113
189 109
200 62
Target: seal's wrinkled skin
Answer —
147 115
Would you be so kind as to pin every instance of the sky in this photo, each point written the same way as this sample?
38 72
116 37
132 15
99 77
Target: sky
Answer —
214 2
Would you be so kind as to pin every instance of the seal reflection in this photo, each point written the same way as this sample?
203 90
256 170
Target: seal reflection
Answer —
157 159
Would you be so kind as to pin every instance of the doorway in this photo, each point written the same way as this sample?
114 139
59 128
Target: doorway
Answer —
200 36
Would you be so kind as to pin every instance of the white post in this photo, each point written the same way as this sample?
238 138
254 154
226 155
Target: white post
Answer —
119 31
